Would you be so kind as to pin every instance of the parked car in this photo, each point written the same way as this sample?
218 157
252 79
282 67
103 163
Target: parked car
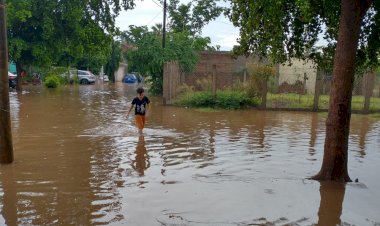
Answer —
104 78
12 80
133 78
140 78
84 77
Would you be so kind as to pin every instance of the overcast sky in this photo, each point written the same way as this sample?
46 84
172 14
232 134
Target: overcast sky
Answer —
149 12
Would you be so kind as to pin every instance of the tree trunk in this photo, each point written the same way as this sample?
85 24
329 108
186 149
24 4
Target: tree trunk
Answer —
335 158
20 73
6 148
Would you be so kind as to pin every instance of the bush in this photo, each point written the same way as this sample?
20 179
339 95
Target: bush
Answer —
226 99
52 81
259 74
204 84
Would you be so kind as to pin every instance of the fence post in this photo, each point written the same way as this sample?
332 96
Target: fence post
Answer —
317 89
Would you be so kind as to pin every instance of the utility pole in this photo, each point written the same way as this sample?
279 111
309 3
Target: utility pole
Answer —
164 26
6 148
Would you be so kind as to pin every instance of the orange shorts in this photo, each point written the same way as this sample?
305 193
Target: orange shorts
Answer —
140 121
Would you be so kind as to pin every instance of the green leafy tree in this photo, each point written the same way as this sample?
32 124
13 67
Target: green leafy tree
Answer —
148 56
134 34
290 28
114 60
44 33
192 17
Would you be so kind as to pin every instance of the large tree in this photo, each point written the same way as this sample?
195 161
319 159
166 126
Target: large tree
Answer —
148 57
193 16
43 33
284 29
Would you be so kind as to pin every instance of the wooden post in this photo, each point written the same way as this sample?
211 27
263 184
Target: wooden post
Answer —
6 148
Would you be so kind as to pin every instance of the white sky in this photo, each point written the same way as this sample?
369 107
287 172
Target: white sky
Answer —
148 13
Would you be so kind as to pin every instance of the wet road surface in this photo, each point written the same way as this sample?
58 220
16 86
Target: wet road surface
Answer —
79 161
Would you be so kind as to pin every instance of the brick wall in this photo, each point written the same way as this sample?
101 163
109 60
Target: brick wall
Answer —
228 69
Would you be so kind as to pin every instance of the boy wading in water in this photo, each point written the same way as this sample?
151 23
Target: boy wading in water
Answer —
141 105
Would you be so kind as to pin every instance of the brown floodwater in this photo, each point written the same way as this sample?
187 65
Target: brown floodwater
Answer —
79 161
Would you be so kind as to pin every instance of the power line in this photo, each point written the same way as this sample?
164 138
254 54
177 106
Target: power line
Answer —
157 3
155 17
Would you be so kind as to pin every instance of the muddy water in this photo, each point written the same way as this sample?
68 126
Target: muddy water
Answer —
79 161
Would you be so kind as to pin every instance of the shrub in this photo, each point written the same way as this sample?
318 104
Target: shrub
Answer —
204 84
184 88
225 99
52 81
259 74
228 99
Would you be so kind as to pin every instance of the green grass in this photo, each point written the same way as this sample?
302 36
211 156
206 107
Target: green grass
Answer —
291 100
208 110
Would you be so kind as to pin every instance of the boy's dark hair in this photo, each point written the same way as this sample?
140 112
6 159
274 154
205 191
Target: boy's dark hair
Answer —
140 90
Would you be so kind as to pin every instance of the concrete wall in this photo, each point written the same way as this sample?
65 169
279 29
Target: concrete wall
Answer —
119 74
299 70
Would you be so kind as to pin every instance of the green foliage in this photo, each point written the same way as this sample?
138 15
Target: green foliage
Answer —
281 30
192 17
184 88
45 33
114 60
52 81
134 34
224 99
292 100
258 75
148 57
203 84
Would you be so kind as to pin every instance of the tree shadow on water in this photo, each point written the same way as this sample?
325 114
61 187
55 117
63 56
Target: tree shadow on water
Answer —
331 204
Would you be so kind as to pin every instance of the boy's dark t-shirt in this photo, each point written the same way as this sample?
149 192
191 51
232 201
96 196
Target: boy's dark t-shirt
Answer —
140 107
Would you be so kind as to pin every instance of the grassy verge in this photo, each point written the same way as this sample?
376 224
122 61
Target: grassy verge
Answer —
224 99
291 100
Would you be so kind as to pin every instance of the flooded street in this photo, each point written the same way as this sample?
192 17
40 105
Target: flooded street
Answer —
79 161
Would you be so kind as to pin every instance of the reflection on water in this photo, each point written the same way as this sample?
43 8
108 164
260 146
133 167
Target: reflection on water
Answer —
80 161
141 162
330 208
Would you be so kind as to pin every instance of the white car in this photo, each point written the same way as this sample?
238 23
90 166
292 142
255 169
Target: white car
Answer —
104 78
84 77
